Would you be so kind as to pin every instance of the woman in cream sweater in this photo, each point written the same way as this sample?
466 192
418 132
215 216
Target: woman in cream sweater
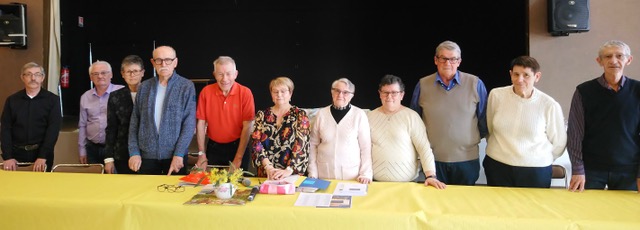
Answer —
340 142
526 130
399 138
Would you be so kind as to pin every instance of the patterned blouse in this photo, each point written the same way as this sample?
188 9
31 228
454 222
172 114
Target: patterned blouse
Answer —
284 146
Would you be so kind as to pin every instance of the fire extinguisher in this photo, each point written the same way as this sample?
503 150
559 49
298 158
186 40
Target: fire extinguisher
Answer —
64 77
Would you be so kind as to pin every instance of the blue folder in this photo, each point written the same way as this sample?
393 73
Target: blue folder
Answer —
315 183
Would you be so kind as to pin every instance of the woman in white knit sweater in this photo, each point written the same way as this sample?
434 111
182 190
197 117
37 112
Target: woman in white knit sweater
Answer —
526 130
399 138
340 140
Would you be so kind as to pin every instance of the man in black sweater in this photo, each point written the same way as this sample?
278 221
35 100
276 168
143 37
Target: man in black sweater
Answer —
604 126
31 122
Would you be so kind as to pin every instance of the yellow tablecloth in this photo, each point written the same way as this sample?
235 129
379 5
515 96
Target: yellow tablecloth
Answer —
31 200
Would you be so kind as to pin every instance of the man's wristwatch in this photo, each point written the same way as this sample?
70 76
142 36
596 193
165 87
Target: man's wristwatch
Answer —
200 153
430 176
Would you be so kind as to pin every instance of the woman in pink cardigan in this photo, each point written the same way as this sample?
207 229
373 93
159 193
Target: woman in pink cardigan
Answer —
340 139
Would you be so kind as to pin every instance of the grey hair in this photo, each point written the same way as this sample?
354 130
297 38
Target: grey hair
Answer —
224 60
99 62
615 43
346 81
449 45
33 65
132 60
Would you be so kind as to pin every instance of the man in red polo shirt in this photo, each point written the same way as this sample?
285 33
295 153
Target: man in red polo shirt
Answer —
225 114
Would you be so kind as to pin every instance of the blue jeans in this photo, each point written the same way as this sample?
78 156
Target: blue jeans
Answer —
613 180
458 173
500 174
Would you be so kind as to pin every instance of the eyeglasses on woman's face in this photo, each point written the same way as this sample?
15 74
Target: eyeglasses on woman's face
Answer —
340 92
387 93
132 72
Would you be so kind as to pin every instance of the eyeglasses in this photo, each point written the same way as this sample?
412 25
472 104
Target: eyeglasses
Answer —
159 61
454 60
133 72
276 92
338 92
611 56
170 188
387 93
33 74
96 74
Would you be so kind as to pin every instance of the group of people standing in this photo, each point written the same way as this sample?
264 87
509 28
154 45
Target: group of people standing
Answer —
452 111
146 126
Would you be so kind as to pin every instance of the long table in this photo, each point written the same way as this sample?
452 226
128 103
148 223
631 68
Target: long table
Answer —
30 200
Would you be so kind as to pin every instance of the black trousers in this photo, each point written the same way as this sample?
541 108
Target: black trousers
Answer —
21 155
504 175
223 153
160 167
95 152
122 167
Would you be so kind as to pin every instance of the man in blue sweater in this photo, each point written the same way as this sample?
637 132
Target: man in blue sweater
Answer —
604 123
163 119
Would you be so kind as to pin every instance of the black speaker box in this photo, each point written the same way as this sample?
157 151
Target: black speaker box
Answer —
567 16
13 26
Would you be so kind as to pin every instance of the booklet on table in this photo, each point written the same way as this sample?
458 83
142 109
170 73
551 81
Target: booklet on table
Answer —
323 200
351 189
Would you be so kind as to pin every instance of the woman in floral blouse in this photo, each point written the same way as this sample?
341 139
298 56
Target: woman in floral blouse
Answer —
280 140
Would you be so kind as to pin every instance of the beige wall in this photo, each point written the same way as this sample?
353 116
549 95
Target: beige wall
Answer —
569 61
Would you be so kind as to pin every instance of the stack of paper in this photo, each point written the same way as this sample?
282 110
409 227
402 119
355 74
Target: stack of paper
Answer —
323 200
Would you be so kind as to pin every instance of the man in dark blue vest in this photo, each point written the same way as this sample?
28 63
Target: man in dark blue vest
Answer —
604 126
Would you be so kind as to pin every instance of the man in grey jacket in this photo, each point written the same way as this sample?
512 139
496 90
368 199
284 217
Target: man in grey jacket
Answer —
163 119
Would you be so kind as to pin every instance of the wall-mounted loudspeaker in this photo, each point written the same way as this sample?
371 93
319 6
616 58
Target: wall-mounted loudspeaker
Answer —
567 16
13 26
